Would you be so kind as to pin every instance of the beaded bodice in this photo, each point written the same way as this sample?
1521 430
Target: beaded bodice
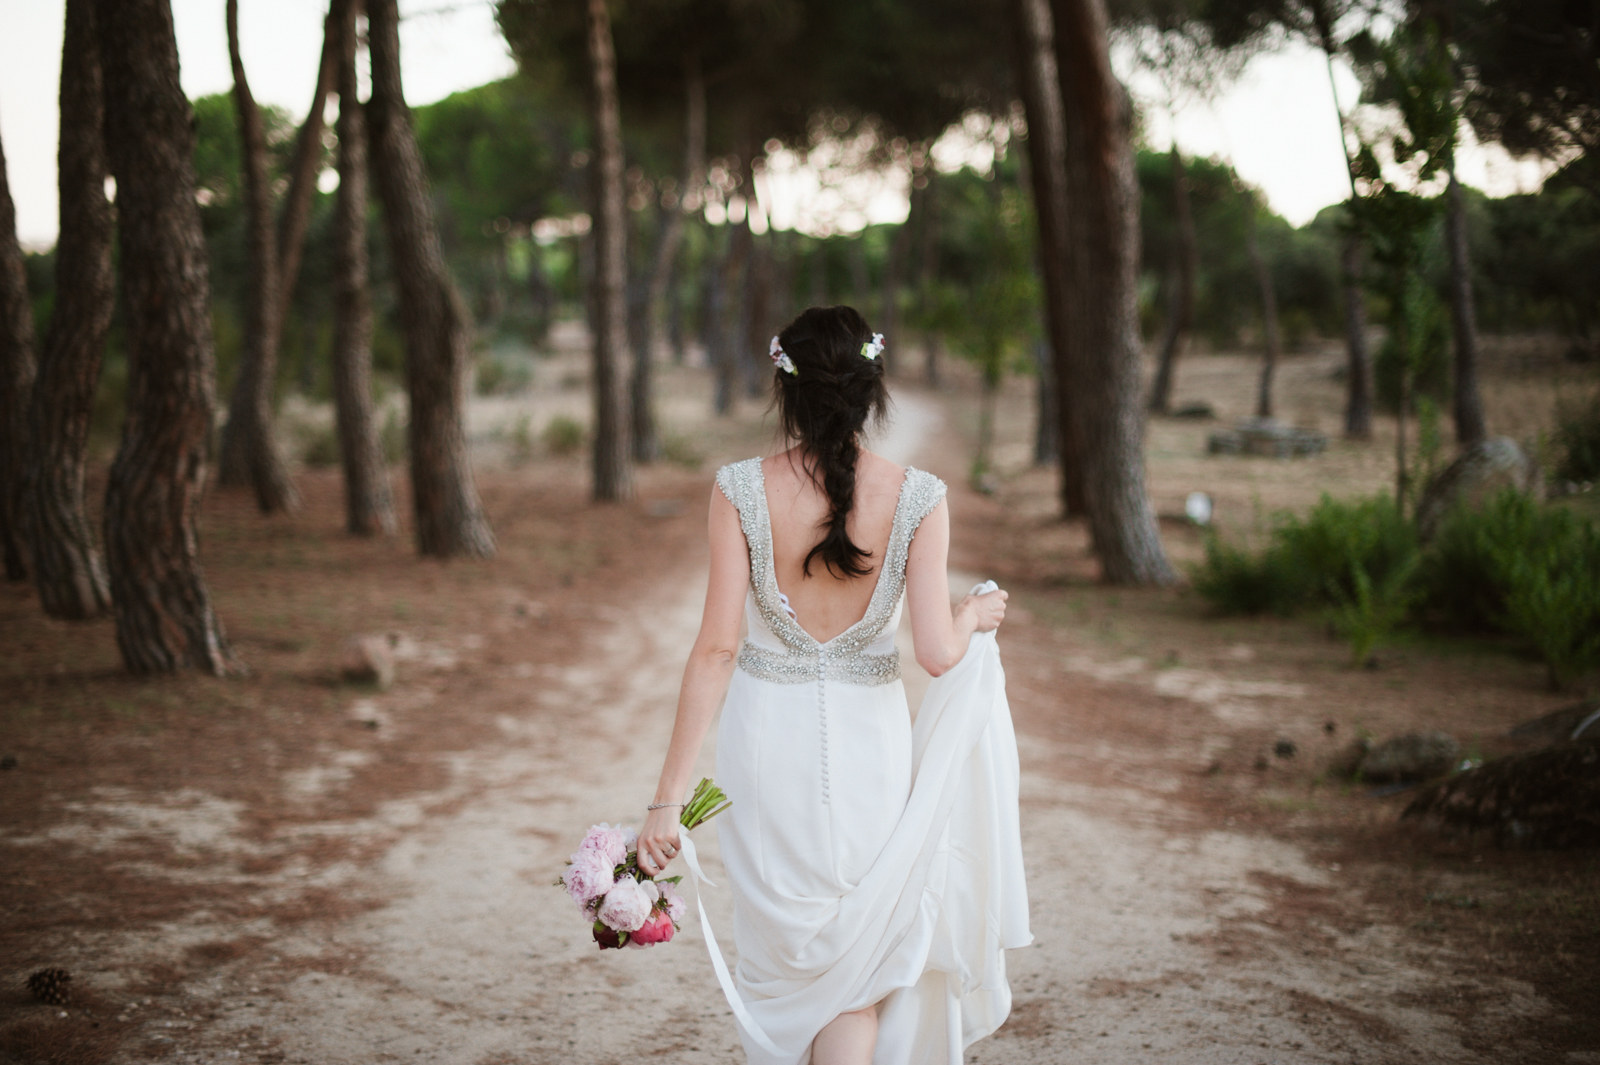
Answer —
779 649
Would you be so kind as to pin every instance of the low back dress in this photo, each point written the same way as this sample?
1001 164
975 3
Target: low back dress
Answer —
869 861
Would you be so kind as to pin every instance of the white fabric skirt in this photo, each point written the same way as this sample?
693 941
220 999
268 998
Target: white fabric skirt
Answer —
872 863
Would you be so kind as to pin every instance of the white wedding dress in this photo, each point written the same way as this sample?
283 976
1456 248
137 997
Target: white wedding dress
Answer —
869 861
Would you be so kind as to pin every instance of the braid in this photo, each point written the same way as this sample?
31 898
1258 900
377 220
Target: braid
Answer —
825 406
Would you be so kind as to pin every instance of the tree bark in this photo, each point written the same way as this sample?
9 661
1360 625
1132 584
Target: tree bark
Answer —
68 568
1041 86
1106 418
448 514
250 454
306 164
17 371
893 272
1180 320
163 610
368 502
1470 428
613 472
1358 402
1047 424
1271 343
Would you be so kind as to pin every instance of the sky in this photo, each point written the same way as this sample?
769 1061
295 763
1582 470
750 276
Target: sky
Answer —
1276 122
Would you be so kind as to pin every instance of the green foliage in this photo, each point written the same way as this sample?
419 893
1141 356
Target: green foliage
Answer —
1466 575
564 435
1577 441
1554 602
1430 354
1339 538
1236 581
1370 612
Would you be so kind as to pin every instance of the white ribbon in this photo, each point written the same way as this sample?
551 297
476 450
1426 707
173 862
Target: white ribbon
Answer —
731 993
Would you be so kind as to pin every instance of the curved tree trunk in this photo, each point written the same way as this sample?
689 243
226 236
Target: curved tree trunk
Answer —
368 503
1107 417
68 569
1041 96
1470 428
1271 344
613 472
1358 401
449 517
250 454
17 369
1180 319
306 164
159 596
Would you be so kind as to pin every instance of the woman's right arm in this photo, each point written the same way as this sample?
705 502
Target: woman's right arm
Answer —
705 678
940 636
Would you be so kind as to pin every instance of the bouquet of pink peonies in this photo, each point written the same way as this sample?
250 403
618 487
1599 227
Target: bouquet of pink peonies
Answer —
628 907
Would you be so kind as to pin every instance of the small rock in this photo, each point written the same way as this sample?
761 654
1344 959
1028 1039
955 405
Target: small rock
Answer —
368 660
1285 749
8 762
1197 409
1330 728
1413 756
1348 761
1261 763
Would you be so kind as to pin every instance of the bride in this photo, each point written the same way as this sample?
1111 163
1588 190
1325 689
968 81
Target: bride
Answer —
875 866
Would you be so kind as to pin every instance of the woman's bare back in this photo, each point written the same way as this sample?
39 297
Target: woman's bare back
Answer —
826 604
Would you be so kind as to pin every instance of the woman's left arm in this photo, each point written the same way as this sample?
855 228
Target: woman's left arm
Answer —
705 679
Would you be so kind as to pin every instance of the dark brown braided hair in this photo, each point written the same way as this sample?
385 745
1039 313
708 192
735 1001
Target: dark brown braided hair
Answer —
825 405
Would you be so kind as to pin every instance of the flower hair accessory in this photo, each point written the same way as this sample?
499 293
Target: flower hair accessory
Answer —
780 358
872 348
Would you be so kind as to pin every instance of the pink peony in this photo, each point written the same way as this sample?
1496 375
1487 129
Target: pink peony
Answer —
627 905
588 877
677 905
611 842
658 929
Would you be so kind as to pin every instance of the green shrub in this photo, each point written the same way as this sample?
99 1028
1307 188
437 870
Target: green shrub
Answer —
1235 581
1374 608
1465 577
1553 599
1577 441
1338 538
563 435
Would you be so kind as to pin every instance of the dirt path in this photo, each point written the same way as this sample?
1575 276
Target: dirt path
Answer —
1161 937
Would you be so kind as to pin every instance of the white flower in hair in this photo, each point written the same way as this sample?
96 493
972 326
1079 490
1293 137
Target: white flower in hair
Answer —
873 348
780 358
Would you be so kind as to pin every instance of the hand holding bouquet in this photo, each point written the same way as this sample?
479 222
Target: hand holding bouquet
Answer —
627 906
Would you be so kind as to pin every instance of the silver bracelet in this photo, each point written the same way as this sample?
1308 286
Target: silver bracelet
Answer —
662 805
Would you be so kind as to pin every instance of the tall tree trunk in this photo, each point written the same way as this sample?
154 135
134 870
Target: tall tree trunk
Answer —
613 469
368 503
1358 402
1470 428
68 568
1042 101
1106 416
449 516
306 164
724 319
1270 341
753 316
645 438
159 596
17 370
1180 319
250 454
817 274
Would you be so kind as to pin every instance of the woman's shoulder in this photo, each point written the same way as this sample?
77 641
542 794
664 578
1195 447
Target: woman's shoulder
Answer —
740 481
923 492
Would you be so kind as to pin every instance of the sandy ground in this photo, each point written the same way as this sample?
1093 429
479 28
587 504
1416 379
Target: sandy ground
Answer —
474 958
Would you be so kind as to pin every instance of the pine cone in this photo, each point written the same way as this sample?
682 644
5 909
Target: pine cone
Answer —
51 985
